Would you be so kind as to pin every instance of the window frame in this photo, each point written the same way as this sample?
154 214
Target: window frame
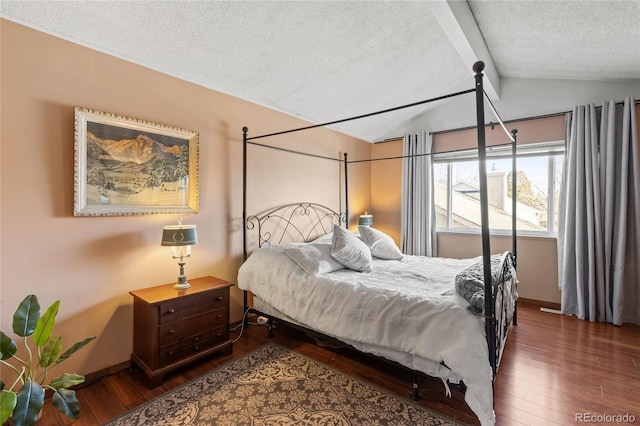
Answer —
504 151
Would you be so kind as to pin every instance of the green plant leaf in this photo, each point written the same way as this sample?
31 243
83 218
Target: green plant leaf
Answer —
29 404
66 402
26 316
51 352
73 349
45 324
8 347
66 381
7 404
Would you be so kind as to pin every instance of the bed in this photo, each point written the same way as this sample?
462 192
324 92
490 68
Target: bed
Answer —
447 318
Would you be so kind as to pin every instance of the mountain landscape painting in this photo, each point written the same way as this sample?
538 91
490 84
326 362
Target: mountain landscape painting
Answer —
136 168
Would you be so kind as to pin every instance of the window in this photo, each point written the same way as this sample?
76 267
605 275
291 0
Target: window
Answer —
457 189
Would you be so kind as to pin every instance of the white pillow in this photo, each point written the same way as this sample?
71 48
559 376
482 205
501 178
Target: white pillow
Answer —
350 251
313 258
382 245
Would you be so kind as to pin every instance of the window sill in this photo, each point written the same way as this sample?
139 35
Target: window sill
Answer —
506 234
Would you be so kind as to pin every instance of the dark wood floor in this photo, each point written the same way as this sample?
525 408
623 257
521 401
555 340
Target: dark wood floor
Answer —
554 368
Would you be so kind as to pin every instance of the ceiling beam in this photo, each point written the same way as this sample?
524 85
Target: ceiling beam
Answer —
457 21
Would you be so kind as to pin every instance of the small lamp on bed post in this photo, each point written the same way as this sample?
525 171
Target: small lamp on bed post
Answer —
180 238
366 219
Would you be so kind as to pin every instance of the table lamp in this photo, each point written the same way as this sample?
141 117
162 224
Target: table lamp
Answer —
366 219
180 238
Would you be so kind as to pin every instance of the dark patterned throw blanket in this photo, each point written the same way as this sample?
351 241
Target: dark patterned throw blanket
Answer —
470 282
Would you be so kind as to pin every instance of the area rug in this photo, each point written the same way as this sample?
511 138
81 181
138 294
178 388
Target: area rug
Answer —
273 385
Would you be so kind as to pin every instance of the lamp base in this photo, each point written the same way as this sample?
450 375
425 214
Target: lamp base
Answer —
181 286
182 283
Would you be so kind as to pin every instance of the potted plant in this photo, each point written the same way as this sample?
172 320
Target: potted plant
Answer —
24 398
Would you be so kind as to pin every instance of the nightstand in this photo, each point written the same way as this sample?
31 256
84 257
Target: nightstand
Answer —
172 328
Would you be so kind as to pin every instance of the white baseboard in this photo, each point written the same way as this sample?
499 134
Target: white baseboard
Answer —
551 311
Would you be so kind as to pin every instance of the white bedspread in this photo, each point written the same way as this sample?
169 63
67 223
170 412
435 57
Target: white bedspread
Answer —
407 311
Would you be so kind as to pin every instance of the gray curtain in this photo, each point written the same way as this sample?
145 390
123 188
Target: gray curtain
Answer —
418 222
599 226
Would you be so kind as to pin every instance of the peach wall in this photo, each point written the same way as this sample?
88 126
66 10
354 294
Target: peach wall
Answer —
91 263
537 261
386 188
547 129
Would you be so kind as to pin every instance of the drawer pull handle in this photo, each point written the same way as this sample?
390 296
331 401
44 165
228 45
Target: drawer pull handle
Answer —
219 299
196 339
172 311
196 347
171 332
170 353
219 316
219 335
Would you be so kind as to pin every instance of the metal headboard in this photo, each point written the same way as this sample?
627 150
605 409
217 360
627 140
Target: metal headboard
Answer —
296 222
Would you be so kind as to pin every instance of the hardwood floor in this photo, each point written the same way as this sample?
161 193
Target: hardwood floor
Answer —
554 368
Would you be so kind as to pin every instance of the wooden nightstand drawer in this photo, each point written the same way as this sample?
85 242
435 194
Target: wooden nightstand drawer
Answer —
199 340
193 344
177 309
178 330
172 328
220 334
170 354
197 343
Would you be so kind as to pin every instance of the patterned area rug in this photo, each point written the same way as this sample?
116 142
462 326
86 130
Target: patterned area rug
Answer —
275 386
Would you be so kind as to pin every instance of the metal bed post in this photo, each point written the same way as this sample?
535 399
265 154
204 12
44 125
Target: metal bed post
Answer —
489 314
514 229
346 192
244 212
514 204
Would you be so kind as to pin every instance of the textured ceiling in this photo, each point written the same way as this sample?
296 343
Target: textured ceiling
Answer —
324 61
579 40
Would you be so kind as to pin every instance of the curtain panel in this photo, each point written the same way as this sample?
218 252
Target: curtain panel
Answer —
418 218
599 226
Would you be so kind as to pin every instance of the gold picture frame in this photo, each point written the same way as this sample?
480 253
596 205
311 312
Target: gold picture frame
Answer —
126 166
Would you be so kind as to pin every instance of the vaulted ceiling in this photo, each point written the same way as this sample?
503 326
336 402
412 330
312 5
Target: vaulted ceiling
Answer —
323 61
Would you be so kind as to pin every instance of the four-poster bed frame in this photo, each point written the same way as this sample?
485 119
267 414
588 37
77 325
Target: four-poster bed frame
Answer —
495 338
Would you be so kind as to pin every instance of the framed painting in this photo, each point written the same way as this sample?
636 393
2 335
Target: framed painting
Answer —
126 166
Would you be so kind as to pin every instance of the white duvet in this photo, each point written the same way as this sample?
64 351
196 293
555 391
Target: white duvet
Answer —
407 311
